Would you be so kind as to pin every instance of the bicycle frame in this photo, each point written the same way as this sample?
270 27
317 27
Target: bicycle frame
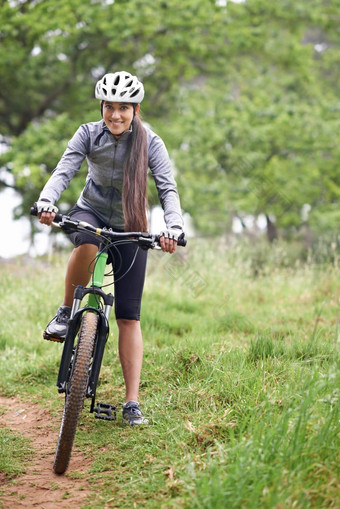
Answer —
96 295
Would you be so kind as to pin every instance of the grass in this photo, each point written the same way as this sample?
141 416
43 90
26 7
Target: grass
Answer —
15 451
240 379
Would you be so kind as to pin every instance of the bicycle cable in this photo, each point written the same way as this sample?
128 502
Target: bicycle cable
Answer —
115 270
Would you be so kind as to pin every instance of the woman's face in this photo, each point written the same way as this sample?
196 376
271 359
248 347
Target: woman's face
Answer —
118 116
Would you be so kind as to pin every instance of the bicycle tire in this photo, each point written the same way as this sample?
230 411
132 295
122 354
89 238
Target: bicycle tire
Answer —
74 401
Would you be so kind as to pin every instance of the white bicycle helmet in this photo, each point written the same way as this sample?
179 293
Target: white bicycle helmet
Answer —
120 87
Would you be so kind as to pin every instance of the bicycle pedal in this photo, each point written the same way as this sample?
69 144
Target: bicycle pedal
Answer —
51 338
105 411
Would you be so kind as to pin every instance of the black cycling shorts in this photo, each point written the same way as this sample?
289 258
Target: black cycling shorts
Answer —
129 281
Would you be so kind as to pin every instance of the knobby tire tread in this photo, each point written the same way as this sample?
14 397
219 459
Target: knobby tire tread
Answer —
77 392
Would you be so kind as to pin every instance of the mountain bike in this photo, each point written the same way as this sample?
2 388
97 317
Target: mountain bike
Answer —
88 331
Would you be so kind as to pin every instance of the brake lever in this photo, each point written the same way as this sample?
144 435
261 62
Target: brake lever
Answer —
67 225
146 243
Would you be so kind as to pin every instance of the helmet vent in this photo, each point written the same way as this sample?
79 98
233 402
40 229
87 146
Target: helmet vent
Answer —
123 93
113 91
104 80
104 90
117 80
135 92
129 84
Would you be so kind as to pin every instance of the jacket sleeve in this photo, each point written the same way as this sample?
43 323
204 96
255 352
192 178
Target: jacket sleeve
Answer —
68 166
161 170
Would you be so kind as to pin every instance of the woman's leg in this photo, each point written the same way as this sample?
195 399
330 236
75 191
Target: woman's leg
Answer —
131 355
79 269
80 266
129 281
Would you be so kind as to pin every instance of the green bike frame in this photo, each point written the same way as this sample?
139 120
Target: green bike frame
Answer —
98 277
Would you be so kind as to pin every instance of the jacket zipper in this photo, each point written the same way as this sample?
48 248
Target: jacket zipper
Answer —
113 169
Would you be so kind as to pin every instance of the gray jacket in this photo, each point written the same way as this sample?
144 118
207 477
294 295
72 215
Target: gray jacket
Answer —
105 156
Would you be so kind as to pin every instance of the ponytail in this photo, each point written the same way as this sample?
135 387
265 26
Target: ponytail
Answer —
134 195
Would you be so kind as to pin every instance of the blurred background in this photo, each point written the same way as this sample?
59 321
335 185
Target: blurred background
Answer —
245 94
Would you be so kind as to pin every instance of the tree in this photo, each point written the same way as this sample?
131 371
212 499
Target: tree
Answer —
53 53
261 135
245 96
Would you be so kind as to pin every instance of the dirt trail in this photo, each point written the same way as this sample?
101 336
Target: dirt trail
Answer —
40 487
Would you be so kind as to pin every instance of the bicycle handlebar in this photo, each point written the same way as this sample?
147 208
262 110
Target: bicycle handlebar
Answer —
146 240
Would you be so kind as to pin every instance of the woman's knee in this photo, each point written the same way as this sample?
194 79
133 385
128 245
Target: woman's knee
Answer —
86 248
125 323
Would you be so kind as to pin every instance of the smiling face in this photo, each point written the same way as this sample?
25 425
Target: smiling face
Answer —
118 116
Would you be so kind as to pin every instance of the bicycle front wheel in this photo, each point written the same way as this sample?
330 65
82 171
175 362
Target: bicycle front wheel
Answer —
77 391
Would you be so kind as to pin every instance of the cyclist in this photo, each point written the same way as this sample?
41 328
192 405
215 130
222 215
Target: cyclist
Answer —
119 150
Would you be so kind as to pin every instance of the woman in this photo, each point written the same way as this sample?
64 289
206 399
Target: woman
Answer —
119 150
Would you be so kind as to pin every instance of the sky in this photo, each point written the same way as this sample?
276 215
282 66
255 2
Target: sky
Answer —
15 234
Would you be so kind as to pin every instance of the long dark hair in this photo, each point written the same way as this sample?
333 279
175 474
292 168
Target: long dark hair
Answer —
134 195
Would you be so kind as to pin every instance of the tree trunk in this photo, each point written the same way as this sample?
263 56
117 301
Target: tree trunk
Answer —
272 233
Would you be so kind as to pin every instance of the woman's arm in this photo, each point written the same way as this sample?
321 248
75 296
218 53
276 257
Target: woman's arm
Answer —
161 170
68 166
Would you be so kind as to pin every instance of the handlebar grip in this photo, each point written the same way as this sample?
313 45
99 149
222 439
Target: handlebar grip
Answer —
58 218
34 212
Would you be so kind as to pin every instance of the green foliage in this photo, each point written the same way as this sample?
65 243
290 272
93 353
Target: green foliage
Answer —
260 133
244 94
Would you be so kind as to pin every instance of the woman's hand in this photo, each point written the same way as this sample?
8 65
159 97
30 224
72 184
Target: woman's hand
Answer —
46 218
168 245
168 239
46 212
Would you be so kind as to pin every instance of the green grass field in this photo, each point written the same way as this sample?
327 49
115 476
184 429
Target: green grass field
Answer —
240 379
